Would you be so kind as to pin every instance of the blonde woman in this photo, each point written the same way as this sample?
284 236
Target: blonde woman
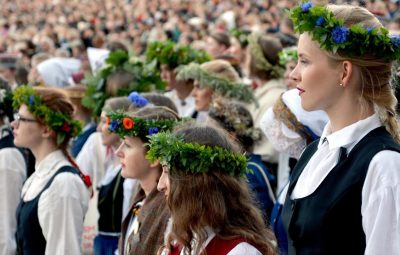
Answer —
343 196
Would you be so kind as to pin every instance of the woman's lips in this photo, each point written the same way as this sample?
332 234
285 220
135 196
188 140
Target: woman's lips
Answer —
301 91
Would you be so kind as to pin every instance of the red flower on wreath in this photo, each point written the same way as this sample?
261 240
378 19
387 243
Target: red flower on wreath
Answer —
108 120
66 127
128 123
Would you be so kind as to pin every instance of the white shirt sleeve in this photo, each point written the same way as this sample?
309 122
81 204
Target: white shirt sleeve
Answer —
61 212
381 204
244 249
12 176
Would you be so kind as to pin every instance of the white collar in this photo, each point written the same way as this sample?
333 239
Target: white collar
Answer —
349 136
49 163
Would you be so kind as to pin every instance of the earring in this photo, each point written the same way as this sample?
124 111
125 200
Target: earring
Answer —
341 85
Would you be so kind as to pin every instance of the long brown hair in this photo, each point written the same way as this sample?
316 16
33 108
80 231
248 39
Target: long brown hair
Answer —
214 199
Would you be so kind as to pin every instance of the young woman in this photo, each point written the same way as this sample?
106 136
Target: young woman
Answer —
211 208
343 196
54 198
143 228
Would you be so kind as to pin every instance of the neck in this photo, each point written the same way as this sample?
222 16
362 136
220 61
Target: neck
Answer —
183 90
43 149
260 82
358 112
150 181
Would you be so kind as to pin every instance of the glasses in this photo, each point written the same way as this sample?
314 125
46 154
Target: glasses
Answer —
18 118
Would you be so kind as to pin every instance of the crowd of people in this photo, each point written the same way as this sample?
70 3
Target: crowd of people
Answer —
199 127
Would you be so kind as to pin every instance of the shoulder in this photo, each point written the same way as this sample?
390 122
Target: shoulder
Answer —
68 184
12 158
11 152
244 249
383 169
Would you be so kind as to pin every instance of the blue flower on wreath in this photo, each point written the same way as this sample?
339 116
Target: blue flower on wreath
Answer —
306 6
395 40
31 100
137 100
320 21
113 126
153 130
369 29
339 34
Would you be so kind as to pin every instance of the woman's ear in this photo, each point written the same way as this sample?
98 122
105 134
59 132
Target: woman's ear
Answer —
346 73
47 132
155 164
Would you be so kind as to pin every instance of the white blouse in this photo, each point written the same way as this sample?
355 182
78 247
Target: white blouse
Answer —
61 207
380 205
12 177
185 108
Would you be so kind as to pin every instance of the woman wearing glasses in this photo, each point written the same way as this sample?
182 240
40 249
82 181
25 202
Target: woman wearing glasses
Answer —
55 197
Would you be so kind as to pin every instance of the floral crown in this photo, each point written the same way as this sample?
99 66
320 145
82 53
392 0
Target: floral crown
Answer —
125 125
194 158
288 55
259 58
174 55
228 113
219 84
333 36
146 78
59 122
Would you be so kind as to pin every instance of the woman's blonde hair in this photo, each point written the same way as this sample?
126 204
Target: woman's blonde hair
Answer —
221 68
375 72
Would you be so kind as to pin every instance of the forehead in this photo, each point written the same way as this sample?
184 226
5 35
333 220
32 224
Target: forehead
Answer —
308 47
23 110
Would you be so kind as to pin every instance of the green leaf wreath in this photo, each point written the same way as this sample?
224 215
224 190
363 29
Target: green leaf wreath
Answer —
59 122
174 55
333 36
146 78
194 158
218 84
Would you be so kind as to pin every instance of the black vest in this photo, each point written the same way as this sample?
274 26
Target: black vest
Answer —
29 236
329 220
110 202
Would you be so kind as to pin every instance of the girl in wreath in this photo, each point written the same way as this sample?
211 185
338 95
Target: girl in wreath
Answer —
344 190
142 230
55 197
211 207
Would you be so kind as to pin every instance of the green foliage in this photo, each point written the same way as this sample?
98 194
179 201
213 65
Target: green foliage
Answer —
59 122
359 41
146 78
288 55
194 158
171 54
218 84
125 125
